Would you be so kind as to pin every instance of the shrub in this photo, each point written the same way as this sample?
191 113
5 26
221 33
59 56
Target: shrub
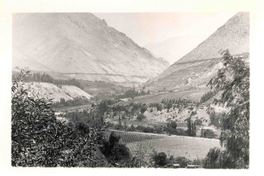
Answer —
148 130
220 159
182 161
198 122
114 151
119 153
141 117
134 162
172 124
209 133
160 159
132 128
181 132
216 119
171 127
143 108
157 105
212 159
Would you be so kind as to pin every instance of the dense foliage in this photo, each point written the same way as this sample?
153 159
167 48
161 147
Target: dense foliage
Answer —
39 139
74 102
114 151
216 119
132 93
177 103
233 80
160 159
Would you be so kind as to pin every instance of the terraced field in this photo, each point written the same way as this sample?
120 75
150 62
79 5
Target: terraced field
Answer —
190 147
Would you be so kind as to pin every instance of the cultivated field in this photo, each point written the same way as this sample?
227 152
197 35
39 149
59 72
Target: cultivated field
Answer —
190 147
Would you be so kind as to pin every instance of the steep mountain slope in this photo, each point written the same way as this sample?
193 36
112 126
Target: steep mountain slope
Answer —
82 46
51 91
194 70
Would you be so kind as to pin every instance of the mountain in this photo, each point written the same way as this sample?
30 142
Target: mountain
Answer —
196 68
81 46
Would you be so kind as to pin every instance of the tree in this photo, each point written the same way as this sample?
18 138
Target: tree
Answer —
212 159
233 81
114 151
39 139
190 123
160 159
171 127
143 108
217 158
191 131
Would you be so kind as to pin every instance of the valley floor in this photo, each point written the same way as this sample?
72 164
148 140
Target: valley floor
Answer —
189 147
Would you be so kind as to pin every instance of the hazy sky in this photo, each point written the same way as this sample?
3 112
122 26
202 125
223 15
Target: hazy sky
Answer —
150 28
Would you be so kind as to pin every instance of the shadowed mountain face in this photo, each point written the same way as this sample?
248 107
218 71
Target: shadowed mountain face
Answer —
195 69
80 46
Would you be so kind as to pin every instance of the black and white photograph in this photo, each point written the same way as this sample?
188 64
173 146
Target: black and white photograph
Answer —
130 90
131 87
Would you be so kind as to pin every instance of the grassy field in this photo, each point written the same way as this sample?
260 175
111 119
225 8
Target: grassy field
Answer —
190 147
131 137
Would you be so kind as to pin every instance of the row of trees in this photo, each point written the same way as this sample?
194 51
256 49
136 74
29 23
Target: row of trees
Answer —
177 103
132 93
74 102
43 77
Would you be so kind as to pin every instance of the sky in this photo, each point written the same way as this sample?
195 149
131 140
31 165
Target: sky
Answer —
146 28
152 29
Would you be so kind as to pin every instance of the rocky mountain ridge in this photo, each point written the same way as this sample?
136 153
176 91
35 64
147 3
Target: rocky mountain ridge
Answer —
81 46
194 70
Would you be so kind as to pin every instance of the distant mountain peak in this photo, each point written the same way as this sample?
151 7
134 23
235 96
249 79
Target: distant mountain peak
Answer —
194 70
80 45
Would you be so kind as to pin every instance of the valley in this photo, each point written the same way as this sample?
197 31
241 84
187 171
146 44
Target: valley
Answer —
94 92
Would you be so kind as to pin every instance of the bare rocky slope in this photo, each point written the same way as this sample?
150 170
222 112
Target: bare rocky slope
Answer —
81 46
195 69
56 93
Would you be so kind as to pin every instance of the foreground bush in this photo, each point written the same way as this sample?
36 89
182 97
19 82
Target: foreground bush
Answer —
233 81
117 154
159 159
38 139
